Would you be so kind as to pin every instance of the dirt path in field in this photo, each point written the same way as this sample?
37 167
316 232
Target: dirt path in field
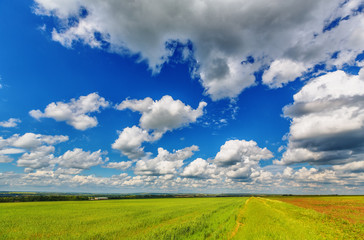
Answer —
239 224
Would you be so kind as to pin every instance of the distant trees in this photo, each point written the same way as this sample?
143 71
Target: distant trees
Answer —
36 198
40 196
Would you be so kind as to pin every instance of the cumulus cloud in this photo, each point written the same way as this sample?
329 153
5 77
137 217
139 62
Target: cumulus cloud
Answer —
240 171
327 120
37 153
297 34
5 152
235 151
130 141
119 165
39 157
237 161
157 117
163 115
36 149
165 162
199 168
11 151
282 71
79 159
306 176
203 175
32 140
12 122
76 112
54 179
67 171
356 167
307 180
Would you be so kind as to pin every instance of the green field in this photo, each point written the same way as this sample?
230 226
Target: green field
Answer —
175 218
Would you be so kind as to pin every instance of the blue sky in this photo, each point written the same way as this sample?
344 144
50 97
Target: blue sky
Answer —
193 96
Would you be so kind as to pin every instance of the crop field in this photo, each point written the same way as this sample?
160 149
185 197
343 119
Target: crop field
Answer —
186 218
350 208
264 218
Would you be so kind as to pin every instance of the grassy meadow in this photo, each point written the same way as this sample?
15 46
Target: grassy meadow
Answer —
180 218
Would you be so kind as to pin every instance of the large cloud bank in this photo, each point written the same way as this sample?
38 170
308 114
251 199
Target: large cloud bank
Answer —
231 40
327 124
235 167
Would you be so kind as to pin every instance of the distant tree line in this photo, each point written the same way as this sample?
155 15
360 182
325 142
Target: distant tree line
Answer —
40 196
43 198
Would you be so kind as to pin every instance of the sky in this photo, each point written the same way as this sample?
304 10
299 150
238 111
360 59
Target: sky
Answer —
194 96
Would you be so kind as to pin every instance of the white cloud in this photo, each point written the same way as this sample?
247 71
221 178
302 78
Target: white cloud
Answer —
90 179
79 159
225 77
68 171
12 122
157 117
163 115
287 172
37 149
5 159
264 178
241 171
130 141
11 151
165 162
76 112
297 155
119 165
40 157
298 180
199 168
237 161
38 154
327 125
312 175
236 151
31 140
223 34
282 71
332 86
350 167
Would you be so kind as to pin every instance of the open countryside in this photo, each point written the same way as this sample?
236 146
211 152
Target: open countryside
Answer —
182 119
187 218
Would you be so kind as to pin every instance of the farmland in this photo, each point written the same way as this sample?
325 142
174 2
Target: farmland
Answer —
183 218
350 208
